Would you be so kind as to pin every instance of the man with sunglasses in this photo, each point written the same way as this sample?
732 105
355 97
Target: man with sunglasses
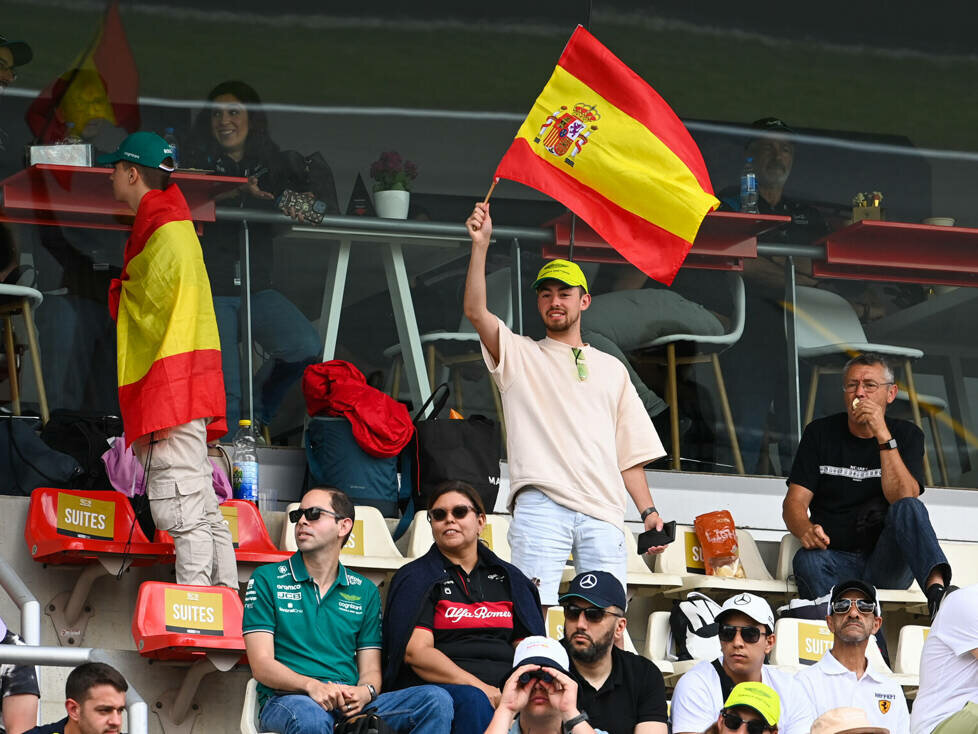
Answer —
746 631
853 494
843 677
623 693
751 706
312 632
578 436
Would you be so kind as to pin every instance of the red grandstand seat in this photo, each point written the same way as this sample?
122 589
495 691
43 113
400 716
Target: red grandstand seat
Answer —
252 544
176 622
67 526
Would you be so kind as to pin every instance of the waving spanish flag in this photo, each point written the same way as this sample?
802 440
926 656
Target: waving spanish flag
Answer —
169 351
102 83
603 142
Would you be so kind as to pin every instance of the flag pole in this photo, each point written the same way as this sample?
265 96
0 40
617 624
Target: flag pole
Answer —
489 193
570 241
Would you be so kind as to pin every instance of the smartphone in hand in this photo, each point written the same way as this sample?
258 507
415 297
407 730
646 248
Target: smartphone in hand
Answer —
652 538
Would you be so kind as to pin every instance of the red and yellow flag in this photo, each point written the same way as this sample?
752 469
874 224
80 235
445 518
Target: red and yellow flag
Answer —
101 84
169 351
604 143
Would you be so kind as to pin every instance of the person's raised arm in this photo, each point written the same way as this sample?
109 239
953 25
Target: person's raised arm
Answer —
271 673
434 666
794 511
479 226
896 480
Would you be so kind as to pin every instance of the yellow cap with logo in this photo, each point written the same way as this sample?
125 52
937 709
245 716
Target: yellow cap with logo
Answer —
565 271
758 696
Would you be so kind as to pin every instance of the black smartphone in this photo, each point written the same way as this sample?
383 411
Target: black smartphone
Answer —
651 538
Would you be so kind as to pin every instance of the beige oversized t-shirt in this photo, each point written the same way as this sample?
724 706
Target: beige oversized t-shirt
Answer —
568 437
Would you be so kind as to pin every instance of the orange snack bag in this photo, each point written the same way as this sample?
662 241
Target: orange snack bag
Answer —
718 538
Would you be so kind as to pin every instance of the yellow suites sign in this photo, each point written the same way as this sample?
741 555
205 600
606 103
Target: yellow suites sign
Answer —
231 520
196 612
84 517
354 544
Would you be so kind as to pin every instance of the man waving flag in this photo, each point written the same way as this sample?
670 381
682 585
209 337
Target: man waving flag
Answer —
600 140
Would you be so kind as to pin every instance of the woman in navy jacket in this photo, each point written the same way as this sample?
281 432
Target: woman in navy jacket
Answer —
454 614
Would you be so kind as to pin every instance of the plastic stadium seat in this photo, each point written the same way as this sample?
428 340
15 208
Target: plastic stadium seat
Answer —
963 558
908 598
249 710
909 649
176 622
657 648
418 539
67 526
684 557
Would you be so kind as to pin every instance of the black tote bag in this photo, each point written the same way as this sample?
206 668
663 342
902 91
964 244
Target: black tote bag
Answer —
464 450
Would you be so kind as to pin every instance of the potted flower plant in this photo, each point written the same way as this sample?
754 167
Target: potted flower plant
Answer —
392 177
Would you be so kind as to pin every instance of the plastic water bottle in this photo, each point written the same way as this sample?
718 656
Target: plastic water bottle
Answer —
748 188
244 468
170 137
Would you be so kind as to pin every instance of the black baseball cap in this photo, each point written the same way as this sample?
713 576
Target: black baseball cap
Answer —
771 125
867 590
19 49
598 587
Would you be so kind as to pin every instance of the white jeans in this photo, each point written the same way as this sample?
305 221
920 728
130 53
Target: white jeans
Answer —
543 534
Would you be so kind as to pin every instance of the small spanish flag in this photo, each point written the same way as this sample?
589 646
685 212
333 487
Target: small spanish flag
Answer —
102 83
169 351
600 140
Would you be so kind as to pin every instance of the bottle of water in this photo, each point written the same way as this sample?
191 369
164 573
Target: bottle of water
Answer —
170 137
748 188
245 463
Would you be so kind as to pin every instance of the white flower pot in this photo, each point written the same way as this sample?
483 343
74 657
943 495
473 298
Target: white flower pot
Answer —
392 204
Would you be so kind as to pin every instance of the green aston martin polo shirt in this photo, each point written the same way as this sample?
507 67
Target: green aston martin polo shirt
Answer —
314 636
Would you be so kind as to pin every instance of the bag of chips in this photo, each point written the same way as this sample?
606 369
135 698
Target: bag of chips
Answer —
718 538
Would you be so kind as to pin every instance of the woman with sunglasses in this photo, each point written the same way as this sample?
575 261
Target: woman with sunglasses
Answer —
454 614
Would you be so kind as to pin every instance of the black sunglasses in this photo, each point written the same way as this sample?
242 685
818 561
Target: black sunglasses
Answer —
728 632
842 606
312 514
458 512
734 722
591 614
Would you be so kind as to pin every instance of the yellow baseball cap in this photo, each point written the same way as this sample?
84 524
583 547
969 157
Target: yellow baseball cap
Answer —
565 271
758 696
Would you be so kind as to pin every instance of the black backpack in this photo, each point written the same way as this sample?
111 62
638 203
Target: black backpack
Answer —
84 437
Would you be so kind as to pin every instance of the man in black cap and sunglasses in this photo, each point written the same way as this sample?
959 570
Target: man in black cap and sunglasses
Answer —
312 631
623 693
843 676
746 631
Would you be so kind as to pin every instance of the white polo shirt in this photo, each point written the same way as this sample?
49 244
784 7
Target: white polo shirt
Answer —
948 667
829 684
698 698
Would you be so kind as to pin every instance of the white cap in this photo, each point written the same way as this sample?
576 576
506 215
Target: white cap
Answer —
540 650
753 606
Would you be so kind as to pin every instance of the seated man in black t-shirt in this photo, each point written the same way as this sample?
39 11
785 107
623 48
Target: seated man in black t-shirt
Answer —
859 475
621 692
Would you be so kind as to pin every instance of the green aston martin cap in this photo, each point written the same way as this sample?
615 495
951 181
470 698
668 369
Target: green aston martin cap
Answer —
145 148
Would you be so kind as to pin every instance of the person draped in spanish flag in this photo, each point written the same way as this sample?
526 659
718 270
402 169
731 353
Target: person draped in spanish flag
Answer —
171 389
